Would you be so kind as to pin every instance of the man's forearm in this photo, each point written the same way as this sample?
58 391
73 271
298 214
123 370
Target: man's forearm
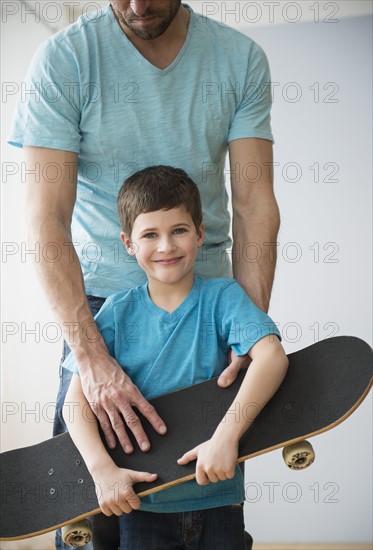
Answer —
63 284
254 250
256 219
50 205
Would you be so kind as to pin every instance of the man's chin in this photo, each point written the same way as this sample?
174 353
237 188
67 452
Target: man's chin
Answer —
154 28
146 32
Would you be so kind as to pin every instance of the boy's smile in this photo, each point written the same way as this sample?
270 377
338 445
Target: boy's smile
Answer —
165 243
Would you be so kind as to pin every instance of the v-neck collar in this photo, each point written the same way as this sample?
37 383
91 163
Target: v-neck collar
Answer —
122 36
175 315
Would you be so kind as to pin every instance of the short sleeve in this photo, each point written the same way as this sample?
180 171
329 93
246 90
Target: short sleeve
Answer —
253 118
48 108
243 323
105 322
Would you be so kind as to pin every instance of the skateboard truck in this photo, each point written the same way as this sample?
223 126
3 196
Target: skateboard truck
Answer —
298 456
77 534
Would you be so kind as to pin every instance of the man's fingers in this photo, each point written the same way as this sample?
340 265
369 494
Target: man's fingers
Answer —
112 423
133 423
120 430
151 414
115 395
115 420
229 375
105 424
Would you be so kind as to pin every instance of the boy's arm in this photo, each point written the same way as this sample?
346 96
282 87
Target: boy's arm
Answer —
216 458
113 485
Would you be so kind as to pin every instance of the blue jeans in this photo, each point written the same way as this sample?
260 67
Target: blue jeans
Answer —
213 529
106 534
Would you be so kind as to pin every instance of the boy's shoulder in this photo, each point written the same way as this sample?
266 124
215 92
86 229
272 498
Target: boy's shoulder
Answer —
223 291
218 285
217 282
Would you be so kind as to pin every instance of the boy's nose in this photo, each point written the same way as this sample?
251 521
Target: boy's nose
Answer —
139 7
165 245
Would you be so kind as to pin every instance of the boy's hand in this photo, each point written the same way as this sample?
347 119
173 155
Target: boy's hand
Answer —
235 364
216 460
114 489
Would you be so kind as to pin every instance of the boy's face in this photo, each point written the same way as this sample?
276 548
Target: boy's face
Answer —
165 243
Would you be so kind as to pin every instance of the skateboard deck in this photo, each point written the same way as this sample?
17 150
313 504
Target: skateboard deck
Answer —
47 485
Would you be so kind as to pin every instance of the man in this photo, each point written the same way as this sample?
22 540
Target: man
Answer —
143 82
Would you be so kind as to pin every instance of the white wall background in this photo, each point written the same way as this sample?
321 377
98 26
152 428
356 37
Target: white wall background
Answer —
322 82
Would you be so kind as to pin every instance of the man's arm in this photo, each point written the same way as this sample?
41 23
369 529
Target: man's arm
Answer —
256 218
50 205
256 222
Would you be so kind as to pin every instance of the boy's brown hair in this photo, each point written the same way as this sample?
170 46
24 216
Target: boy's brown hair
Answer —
157 188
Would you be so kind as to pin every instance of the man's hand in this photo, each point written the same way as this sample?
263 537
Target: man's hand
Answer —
112 396
236 363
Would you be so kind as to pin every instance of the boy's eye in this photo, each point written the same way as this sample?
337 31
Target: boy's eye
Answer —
151 235
180 230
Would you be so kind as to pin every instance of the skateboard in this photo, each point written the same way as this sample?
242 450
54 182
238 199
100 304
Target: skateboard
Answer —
47 486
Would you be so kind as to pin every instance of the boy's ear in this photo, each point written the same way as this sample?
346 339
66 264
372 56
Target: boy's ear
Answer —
127 243
200 234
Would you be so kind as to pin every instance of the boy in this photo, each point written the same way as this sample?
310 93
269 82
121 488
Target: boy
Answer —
170 333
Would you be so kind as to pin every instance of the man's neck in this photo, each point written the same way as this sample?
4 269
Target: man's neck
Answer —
162 51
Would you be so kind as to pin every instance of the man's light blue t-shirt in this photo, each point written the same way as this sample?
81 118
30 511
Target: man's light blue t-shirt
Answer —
164 352
90 91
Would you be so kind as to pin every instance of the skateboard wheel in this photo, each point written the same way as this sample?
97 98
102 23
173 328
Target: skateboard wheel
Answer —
77 534
299 455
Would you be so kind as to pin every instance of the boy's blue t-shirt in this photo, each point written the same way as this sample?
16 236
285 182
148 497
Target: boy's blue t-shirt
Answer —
90 91
164 352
